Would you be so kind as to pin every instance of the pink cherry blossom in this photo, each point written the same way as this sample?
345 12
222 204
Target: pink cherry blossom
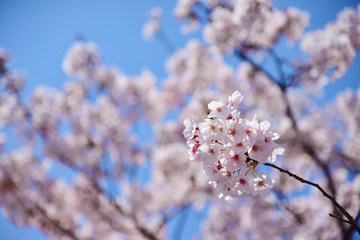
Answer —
231 147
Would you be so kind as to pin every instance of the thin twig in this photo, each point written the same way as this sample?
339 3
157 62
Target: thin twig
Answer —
142 229
351 229
279 65
289 113
310 151
56 224
243 56
348 216
339 218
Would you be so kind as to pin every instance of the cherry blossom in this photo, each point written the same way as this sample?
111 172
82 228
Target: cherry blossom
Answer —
211 150
154 24
230 147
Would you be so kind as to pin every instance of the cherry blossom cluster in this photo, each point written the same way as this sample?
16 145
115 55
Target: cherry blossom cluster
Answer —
196 73
230 148
154 23
129 183
184 11
329 55
252 24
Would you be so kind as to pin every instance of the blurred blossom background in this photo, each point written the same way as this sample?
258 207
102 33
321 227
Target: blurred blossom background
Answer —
38 34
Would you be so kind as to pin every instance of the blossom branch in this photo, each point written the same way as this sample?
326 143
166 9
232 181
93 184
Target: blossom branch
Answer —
55 223
332 215
47 220
332 199
351 162
279 65
311 152
282 198
289 113
240 53
143 230
351 229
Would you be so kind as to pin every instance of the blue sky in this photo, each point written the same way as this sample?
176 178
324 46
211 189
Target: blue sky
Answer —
38 33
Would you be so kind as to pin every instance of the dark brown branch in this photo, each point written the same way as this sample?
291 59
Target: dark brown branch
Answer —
243 56
144 231
289 113
279 65
56 225
325 194
351 162
339 218
351 229
310 151
282 198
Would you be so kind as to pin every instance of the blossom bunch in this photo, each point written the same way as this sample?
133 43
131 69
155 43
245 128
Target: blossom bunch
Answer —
113 143
329 56
154 23
252 25
231 147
